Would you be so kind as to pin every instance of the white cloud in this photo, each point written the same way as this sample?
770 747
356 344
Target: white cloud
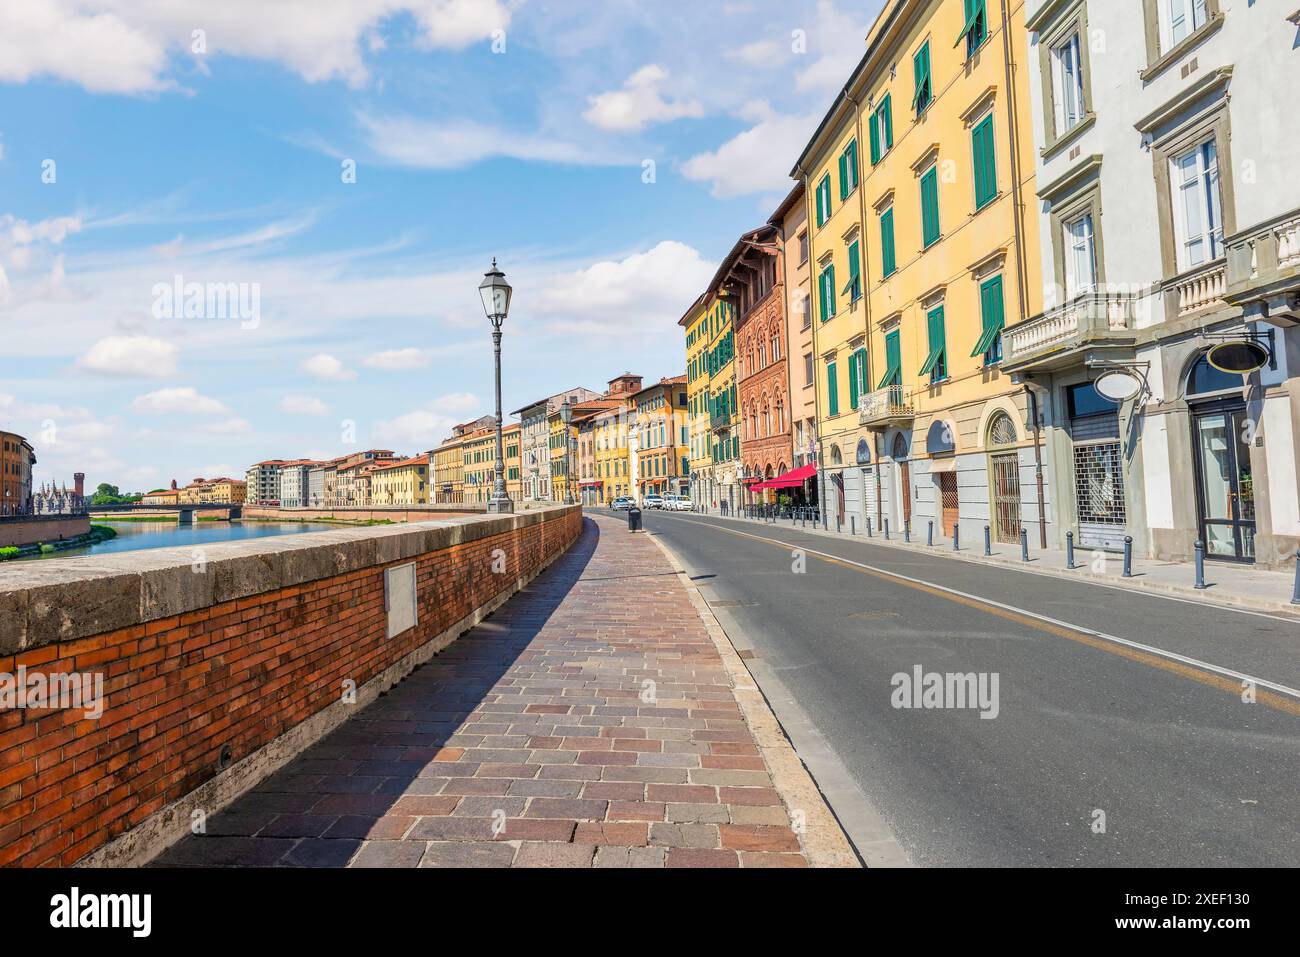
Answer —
639 103
184 399
758 53
399 360
303 405
228 427
757 160
424 428
324 366
407 141
127 46
839 40
642 290
130 356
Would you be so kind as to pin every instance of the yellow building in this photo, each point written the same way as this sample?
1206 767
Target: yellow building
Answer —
479 459
720 486
697 398
923 247
162 496
659 419
610 454
226 491
563 445
449 471
401 483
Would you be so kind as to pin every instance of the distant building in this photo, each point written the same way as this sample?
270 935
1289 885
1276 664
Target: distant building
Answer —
294 487
263 482
536 440
400 483
16 461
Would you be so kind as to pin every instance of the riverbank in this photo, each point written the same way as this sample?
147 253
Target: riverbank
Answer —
96 535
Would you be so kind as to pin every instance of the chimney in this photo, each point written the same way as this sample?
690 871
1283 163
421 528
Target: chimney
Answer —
79 479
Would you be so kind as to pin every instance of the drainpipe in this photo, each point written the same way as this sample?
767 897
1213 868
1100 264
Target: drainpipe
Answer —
1032 397
1013 127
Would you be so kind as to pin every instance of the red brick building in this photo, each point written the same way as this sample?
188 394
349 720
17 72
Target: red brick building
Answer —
754 282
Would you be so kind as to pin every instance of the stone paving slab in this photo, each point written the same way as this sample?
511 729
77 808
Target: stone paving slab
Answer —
590 722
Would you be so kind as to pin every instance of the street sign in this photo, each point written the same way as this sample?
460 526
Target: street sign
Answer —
1117 385
1240 357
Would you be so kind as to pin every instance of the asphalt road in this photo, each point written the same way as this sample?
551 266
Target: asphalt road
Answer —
1108 702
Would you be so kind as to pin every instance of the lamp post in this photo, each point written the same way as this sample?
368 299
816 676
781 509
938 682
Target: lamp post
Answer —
566 417
496 292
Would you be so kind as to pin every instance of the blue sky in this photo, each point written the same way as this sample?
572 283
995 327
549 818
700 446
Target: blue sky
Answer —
143 140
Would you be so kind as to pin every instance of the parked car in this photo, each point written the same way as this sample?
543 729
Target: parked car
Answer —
678 503
654 501
621 504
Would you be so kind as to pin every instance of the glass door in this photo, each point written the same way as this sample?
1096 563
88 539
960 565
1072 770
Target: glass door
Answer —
1225 486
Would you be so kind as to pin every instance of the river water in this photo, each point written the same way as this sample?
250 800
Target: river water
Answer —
133 536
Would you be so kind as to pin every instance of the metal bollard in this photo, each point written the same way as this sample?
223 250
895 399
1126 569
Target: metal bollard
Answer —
1024 545
1295 593
1200 566
870 531
956 537
929 533
1069 550
907 532
886 529
837 523
853 525
1128 556
988 542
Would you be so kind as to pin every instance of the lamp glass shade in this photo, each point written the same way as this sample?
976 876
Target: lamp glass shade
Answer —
495 292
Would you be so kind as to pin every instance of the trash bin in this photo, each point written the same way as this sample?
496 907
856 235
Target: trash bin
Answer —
634 519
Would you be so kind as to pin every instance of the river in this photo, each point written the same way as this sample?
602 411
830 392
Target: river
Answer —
133 536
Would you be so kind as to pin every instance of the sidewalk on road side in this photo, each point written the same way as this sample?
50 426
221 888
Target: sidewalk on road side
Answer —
594 720
1227 584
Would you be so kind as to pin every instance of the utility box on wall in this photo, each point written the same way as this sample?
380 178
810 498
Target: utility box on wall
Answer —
399 599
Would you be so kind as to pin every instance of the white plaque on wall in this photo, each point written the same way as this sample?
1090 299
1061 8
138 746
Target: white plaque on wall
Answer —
399 599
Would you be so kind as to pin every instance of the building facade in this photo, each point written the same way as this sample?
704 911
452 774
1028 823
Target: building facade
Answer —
479 457
535 444
695 327
719 484
791 218
659 418
1170 226
405 482
923 249
294 483
16 461
263 482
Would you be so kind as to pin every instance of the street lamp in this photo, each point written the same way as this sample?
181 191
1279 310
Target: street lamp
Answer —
566 416
495 292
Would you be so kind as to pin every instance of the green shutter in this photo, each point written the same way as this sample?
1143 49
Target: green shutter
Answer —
992 314
888 264
853 288
930 207
887 122
844 176
893 361
853 380
830 289
875 137
986 178
921 78
832 391
935 367
853 164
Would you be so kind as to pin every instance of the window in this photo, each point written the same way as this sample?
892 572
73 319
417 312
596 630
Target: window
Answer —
807 368
807 311
1080 256
1067 84
803 247
832 391
1180 19
887 262
893 361
1197 208
930 207
936 363
857 376
827 291
824 200
882 130
853 289
848 170
993 316
976 28
986 176
921 79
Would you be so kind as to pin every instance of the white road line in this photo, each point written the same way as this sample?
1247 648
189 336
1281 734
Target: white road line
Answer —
1136 645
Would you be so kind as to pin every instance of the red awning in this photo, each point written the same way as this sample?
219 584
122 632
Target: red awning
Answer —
791 479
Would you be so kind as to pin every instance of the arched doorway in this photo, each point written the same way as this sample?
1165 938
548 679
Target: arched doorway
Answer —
1004 476
899 455
837 482
1221 438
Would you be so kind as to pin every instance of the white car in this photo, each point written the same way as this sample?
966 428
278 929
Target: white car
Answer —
654 501
621 504
677 503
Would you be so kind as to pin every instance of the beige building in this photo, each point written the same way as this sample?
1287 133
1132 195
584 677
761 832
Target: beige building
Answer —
791 218
405 482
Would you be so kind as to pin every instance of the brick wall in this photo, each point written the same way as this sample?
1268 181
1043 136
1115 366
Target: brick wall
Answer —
45 528
237 673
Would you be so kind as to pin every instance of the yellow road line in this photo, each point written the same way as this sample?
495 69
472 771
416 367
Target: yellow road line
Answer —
1188 668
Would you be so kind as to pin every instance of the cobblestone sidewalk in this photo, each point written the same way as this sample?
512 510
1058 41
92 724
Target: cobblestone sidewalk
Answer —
589 722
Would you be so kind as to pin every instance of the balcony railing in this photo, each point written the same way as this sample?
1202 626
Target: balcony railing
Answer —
1263 262
1053 337
1200 288
891 405
719 423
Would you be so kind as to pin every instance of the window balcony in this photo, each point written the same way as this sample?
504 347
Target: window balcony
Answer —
1263 270
719 423
890 406
1056 339
1197 289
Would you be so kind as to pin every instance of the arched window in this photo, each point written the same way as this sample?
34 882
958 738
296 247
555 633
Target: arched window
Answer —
1002 430
836 458
1204 379
899 448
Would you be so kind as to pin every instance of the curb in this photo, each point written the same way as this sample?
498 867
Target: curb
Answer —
822 838
1220 600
